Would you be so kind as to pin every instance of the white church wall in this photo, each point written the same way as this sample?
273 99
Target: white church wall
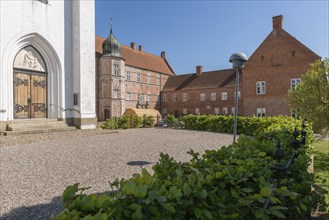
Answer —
48 28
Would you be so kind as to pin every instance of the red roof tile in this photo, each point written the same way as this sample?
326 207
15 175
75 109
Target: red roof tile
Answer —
139 59
210 79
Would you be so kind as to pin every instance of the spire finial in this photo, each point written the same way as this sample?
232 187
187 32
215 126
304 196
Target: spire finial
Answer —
111 19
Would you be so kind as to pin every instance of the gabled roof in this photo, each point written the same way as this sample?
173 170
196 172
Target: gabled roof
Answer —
140 59
210 79
280 41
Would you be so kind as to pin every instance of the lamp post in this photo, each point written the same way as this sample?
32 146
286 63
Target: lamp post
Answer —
238 60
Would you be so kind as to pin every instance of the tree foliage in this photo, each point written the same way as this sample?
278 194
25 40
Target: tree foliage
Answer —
311 97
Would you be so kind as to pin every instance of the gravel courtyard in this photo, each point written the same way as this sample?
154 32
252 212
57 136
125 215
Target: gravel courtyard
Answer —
35 169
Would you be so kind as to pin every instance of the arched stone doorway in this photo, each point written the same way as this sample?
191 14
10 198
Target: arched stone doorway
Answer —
30 84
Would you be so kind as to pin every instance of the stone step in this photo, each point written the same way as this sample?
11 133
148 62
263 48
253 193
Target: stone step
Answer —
36 131
38 124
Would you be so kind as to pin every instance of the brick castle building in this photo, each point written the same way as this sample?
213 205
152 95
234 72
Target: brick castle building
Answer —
127 77
275 67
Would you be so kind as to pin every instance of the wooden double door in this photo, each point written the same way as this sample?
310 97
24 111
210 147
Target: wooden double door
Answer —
30 94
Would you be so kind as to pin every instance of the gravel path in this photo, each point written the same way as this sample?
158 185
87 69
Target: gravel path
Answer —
35 169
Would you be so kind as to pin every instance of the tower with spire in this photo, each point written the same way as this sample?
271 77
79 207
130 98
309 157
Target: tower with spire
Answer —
111 47
111 79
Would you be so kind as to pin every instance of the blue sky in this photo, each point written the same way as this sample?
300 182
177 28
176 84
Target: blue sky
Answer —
207 32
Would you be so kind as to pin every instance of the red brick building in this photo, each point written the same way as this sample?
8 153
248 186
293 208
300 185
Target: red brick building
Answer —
127 77
275 67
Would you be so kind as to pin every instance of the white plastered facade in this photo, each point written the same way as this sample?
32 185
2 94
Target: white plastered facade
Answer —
63 32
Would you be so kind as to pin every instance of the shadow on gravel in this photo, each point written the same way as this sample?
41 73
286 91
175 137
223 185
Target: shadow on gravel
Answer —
36 212
138 163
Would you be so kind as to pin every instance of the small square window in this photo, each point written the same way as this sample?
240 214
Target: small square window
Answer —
294 82
261 112
261 88
197 111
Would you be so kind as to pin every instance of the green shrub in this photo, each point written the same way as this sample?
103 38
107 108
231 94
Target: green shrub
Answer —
136 121
123 122
170 120
262 128
230 183
109 124
147 121
234 182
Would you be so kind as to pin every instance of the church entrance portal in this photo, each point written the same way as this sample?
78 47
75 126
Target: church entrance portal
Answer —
30 85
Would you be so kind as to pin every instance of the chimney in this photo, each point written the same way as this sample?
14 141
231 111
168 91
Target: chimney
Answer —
133 45
141 48
163 55
199 70
277 22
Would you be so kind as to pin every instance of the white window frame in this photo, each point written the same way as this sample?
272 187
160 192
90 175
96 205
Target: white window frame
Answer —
116 69
261 112
224 95
138 77
184 97
213 96
116 93
261 87
164 98
232 110
174 98
128 75
184 111
202 97
128 95
225 110
216 111
294 82
197 110
239 95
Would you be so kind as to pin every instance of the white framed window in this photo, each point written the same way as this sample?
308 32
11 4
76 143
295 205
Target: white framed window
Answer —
260 87
158 79
294 82
213 96
184 97
232 110
128 96
164 111
116 93
116 69
216 111
139 97
164 98
174 98
148 97
128 75
239 95
184 111
197 111
202 97
261 112
148 78
138 77
225 110
224 96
